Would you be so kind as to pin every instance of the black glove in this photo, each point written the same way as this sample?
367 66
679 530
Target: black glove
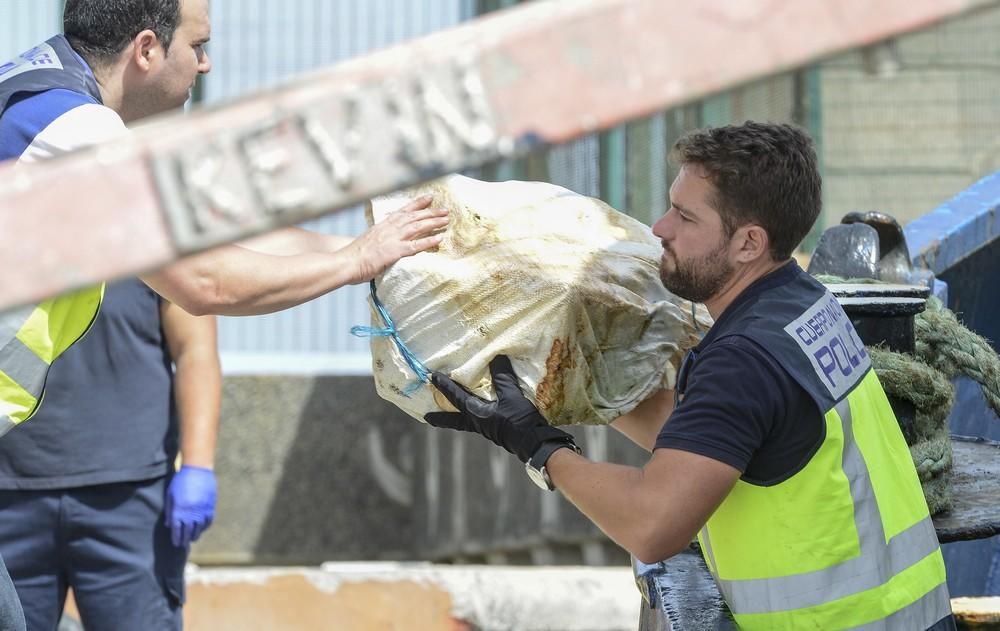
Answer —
511 421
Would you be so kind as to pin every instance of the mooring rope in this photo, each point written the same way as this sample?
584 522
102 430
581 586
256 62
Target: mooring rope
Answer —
945 348
943 342
906 377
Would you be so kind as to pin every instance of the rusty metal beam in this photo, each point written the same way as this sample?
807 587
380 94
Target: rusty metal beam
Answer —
543 73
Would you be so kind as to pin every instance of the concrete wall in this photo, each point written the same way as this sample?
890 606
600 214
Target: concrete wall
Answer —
310 470
315 469
905 142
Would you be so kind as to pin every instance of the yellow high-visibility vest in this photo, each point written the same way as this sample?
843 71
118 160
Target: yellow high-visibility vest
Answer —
847 541
31 338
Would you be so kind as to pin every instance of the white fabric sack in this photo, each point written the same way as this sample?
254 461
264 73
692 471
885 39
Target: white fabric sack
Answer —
563 284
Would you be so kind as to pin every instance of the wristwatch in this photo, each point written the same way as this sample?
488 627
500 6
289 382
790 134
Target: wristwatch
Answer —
536 464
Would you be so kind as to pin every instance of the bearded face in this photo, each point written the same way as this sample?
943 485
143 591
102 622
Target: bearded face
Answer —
697 278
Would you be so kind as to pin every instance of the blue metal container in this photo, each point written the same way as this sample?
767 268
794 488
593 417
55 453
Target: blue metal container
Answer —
958 241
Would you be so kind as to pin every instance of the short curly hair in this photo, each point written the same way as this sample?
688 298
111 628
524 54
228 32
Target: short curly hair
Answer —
99 30
763 173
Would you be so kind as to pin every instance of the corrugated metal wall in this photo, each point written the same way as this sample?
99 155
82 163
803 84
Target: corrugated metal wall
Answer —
24 23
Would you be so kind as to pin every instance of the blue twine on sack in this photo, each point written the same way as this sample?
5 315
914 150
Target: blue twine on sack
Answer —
389 330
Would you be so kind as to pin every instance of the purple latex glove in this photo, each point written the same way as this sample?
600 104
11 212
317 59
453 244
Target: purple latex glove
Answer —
190 504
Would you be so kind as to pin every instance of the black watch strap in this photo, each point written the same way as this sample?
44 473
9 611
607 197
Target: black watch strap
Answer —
549 447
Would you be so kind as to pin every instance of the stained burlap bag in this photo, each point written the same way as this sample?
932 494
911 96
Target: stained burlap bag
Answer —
565 285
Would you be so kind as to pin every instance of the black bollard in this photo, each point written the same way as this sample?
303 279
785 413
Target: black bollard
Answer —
883 316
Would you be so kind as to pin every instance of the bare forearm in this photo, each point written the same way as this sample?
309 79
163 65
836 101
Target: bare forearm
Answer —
653 512
615 498
643 424
232 280
198 392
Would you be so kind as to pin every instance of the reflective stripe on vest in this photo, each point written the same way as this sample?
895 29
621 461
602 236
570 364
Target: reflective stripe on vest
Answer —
51 327
17 361
864 572
934 606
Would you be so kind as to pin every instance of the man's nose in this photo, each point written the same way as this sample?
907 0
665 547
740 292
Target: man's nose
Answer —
663 227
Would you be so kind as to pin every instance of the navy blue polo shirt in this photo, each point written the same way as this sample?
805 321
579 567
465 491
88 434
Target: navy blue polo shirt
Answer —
739 406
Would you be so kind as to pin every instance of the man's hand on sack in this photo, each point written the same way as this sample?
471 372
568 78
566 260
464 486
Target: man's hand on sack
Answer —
410 230
512 421
190 504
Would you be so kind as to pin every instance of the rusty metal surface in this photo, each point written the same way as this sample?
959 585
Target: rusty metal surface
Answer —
543 73
975 485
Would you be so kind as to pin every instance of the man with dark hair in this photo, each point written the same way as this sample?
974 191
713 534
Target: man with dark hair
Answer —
781 453
121 61
54 99
101 29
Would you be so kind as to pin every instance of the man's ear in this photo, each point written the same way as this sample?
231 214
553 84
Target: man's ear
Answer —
145 48
752 243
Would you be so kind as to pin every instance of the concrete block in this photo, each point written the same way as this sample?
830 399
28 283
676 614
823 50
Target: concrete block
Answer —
310 469
367 596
